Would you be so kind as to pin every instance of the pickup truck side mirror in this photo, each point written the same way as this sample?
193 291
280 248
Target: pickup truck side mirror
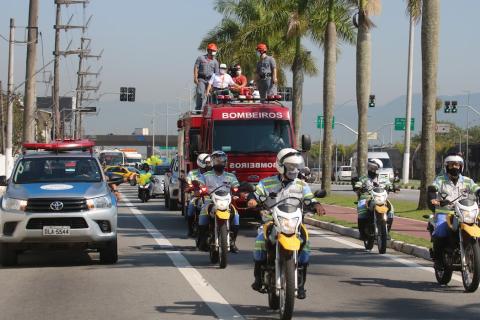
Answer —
3 181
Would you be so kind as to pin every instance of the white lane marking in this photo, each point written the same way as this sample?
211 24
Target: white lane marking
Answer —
389 256
214 300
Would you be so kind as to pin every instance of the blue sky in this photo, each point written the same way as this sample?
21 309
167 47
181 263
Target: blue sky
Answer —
152 44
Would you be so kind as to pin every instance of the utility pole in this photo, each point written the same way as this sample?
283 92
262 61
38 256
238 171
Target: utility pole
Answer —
30 82
9 140
2 119
56 68
408 113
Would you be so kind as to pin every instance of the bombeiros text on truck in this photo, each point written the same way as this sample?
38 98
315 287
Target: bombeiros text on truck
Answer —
250 132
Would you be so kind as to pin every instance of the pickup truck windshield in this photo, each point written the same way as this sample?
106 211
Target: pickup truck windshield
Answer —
57 169
245 136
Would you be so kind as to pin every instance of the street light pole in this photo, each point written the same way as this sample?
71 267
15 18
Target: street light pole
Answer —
408 113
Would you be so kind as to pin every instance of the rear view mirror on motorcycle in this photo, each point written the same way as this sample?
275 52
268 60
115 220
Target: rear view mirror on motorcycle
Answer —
320 194
306 143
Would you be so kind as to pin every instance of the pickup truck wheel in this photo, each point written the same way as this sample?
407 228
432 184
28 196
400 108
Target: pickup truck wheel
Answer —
8 255
109 254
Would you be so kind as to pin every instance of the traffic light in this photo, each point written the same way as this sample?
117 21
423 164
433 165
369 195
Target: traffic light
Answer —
447 107
131 94
371 101
123 93
454 107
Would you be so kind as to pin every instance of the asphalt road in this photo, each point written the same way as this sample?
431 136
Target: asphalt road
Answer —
160 275
404 194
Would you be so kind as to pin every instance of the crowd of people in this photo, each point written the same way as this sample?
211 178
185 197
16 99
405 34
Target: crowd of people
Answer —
213 78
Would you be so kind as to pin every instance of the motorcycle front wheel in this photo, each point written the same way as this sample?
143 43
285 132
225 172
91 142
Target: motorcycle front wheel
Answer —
471 270
223 248
443 275
382 236
287 285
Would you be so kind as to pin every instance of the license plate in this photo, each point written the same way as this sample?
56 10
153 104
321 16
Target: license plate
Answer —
56 230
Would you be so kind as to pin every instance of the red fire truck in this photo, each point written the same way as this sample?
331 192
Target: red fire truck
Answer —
249 132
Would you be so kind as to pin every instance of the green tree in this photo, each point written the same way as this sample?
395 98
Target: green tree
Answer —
430 44
366 8
338 19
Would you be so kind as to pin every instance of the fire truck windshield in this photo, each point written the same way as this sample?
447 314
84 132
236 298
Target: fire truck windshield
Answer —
247 136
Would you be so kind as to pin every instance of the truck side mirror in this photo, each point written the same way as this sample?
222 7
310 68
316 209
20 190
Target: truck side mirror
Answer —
306 142
3 181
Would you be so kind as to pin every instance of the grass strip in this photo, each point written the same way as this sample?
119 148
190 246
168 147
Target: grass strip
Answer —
394 235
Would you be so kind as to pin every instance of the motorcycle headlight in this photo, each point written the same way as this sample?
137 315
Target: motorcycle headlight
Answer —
288 226
222 205
469 216
99 203
13 204
379 199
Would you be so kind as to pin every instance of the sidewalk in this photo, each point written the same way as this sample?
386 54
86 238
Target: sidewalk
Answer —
405 226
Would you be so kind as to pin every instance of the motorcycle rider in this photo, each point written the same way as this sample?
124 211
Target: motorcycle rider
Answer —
452 183
212 180
145 177
289 164
204 165
365 213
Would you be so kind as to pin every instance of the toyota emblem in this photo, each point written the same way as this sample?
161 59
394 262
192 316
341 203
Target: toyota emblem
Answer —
56 205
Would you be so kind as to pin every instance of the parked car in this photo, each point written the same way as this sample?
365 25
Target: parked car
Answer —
58 197
172 185
344 173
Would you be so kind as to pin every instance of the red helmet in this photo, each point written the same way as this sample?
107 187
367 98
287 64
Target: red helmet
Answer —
212 46
262 47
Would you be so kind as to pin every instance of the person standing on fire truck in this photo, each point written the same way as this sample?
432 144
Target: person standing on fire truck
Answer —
213 180
204 165
266 73
205 67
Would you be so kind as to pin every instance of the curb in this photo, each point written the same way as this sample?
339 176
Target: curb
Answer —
410 249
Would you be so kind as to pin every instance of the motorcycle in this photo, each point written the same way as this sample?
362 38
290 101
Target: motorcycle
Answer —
462 251
377 226
218 237
280 274
144 192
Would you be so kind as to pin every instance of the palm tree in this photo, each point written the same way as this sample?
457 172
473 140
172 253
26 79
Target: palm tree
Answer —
366 8
338 17
430 44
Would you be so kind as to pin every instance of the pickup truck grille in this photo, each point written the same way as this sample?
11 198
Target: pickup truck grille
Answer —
74 223
45 205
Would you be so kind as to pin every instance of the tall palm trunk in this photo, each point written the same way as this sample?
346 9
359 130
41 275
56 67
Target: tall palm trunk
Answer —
329 77
363 90
430 43
297 89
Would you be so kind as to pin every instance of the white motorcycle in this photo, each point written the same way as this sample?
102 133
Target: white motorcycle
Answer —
280 274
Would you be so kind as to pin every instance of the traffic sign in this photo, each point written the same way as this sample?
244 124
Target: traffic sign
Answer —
400 124
321 122
443 128
372 135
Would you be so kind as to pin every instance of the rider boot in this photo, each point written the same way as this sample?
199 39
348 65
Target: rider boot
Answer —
202 238
302 278
389 224
190 220
233 246
257 285
362 223
438 249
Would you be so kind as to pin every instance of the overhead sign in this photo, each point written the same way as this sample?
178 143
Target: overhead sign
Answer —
443 128
400 124
321 122
372 135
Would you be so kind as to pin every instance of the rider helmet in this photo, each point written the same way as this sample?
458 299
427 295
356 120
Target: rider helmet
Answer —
449 161
289 163
146 167
212 47
373 166
203 160
219 161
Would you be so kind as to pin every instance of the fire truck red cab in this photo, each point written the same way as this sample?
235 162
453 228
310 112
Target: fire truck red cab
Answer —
249 132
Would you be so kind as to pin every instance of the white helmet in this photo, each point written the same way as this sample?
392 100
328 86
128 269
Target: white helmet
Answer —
453 158
289 163
374 165
203 160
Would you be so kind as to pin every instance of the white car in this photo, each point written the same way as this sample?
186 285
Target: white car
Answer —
344 173
159 173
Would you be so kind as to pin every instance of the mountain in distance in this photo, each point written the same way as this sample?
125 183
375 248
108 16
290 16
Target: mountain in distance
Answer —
381 115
